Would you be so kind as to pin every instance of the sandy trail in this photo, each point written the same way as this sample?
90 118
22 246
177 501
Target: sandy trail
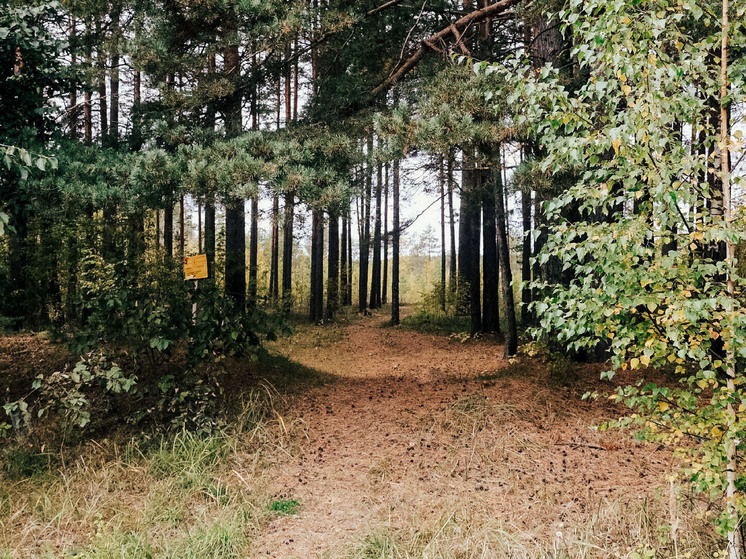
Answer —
418 427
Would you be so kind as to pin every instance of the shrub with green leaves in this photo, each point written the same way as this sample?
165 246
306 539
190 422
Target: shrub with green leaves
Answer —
645 249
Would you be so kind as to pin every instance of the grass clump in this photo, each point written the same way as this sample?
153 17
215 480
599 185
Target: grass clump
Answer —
284 506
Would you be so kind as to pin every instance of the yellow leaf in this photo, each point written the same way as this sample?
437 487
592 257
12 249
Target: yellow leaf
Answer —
627 90
663 406
645 360
621 76
634 363
616 143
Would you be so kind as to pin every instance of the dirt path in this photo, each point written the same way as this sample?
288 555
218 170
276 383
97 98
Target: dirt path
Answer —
419 427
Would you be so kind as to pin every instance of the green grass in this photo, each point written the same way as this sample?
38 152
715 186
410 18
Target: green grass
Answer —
284 506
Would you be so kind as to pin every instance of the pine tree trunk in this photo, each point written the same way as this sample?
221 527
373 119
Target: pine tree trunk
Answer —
73 110
342 258
441 185
349 257
287 251
395 246
490 266
235 252
253 250
114 79
365 231
452 225
274 267
235 213
469 242
332 282
210 235
385 282
506 276
375 284
101 66
317 266
182 226
168 230
87 108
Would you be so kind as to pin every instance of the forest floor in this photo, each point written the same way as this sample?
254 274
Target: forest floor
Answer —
405 445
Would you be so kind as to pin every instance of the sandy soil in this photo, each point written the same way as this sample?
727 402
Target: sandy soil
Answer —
420 426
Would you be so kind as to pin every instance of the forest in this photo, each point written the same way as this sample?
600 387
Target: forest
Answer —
373 279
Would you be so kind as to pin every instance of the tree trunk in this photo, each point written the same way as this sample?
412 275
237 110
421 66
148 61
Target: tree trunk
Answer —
395 247
365 231
235 252
317 265
441 184
182 226
168 229
349 257
253 250
73 110
101 66
385 283
332 282
274 267
526 258
210 235
114 78
490 266
452 225
342 259
87 108
235 213
506 276
469 242
375 283
287 251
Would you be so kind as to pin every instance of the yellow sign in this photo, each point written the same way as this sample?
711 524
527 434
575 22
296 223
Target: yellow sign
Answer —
195 267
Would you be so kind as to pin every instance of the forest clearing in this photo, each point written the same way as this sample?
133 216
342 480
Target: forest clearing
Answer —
397 444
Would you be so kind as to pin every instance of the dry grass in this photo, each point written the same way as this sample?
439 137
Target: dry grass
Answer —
187 496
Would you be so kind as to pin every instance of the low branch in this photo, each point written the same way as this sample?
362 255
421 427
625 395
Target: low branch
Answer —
456 28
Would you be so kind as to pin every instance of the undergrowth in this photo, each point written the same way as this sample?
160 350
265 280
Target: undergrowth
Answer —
179 496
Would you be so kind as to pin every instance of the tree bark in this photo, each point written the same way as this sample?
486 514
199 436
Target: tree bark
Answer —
317 265
332 282
441 185
235 252
274 267
342 259
101 65
506 276
395 247
469 242
235 212
375 283
254 250
526 258
385 282
114 78
287 251
168 229
73 111
210 235
452 224
490 266
365 231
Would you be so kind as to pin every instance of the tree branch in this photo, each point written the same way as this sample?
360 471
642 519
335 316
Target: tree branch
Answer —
456 28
